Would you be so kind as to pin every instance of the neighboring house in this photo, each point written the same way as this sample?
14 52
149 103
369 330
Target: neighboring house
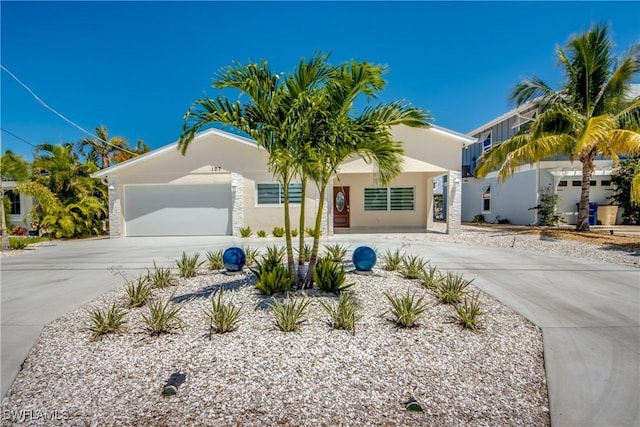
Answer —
222 184
513 198
21 205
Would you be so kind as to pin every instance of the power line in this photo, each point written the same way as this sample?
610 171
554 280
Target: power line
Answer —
17 137
45 105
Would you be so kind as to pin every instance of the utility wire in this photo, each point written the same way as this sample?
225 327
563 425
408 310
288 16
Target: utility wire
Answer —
17 137
45 105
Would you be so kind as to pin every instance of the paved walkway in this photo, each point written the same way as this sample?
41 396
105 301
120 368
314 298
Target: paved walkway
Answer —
589 312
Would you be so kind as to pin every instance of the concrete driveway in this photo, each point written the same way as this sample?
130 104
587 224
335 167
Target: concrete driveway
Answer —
589 312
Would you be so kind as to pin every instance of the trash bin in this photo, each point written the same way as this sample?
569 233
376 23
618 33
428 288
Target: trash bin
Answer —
608 214
593 213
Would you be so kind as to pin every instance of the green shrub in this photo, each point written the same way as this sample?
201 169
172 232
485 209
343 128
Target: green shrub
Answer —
294 232
163 316
106 321
138 291
344 315
276 280
215 260
251 254
430 277
17 244
188 265
391 260
222 317
262 233
478 219
336 252
306 255
277 231
161 277
270 260
451 288
245 231
412 267
469 312
310 231
330 276
290 314
406 310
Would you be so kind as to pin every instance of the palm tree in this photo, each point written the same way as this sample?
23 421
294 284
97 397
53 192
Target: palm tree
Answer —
337 134
102 148
590 115
69 202
274 116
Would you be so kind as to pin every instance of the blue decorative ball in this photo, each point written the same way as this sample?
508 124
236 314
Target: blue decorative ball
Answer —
364 258
234 259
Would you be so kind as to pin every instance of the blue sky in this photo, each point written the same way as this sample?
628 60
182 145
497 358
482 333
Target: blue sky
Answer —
137 66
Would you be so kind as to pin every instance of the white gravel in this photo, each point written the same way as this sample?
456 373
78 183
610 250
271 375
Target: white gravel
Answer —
259 376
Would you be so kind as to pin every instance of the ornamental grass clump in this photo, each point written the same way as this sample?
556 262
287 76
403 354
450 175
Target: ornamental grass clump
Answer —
430 277
161 277
138 291
406 310
214 260
107 321
251 254
344 314
277 231
245 231
163 316
275 280
262 233
412 267
336 252
469 312
188 265
289 315
222 317
330 276
451 288
391 260
273 258
306 252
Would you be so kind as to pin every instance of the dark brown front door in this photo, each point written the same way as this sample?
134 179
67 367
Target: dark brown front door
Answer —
340 207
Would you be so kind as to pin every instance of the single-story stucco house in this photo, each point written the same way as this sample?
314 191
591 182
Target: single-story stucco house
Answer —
222 184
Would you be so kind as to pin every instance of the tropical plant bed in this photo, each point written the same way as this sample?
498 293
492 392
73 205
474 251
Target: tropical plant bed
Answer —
258 375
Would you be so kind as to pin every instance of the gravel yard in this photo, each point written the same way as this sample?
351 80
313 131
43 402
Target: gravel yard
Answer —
258 375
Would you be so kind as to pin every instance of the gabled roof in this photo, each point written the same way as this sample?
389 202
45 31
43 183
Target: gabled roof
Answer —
170 148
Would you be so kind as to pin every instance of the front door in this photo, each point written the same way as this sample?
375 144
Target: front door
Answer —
340 207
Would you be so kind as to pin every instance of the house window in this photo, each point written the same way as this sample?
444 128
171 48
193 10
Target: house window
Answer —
576 183
486 143
486 199
562 184
389 199
273 193
605 183
592 183
14 199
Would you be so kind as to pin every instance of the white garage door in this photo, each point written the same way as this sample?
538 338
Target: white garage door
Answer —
177 210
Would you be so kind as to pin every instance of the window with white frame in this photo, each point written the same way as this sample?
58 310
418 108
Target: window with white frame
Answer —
389 199
272 193
486 199
486 142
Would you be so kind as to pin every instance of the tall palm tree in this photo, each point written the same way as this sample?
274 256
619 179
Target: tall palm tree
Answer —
337 133
274 116
103 148
589 115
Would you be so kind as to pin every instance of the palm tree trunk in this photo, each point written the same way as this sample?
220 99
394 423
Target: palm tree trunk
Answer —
301 257
287 231
308 280
583 207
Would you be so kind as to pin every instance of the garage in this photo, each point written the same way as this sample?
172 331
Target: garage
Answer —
177 210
